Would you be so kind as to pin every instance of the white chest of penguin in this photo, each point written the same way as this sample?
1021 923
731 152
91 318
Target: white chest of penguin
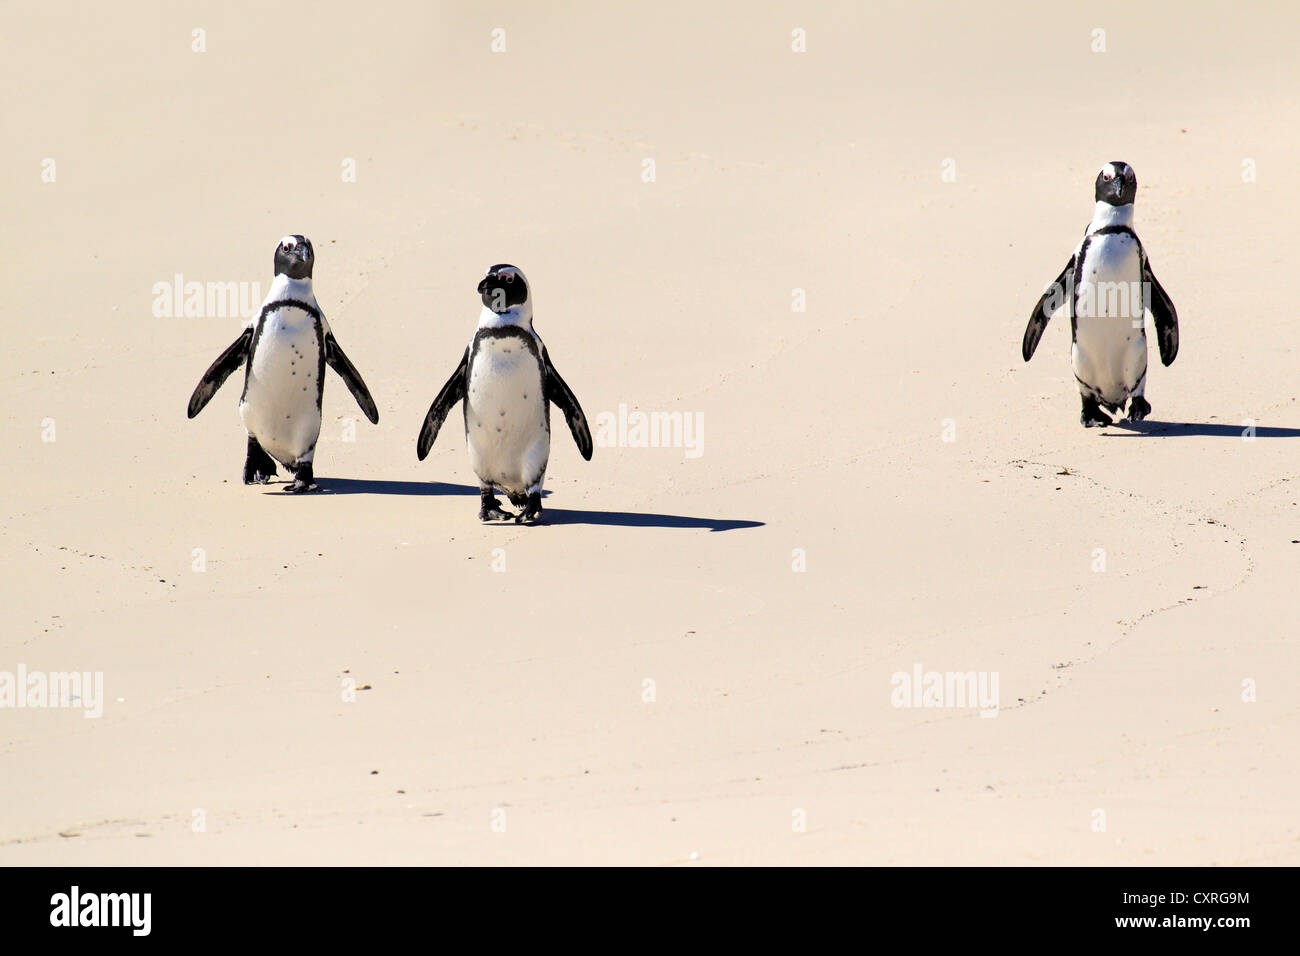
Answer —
505 411
1110 282
281 403
1110 342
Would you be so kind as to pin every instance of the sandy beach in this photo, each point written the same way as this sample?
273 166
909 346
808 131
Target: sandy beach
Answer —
802 240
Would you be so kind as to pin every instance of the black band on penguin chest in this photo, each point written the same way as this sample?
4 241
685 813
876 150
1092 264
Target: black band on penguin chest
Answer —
507 332
1115 230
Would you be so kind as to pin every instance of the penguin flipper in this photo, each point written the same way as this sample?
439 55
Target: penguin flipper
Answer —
1164 313
452 392
351 377
220 370
560 393
1053 297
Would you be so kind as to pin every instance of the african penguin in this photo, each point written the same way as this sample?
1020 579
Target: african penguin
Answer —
506 383
1108 284
284 350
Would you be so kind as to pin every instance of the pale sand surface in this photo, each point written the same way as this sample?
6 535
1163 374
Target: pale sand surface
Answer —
522 691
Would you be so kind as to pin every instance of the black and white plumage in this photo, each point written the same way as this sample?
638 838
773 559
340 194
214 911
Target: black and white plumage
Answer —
506 384
1108 285
284 351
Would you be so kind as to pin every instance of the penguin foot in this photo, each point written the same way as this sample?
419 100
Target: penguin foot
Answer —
303 480
490 508
259 467
1093 416
1138 409
532 513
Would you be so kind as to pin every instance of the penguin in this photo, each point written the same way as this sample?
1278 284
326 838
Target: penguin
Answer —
506 383
1108 284
284 351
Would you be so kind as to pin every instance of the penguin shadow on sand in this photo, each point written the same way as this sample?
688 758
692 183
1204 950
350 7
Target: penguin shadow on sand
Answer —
549 516
369 486
637 519
1150 428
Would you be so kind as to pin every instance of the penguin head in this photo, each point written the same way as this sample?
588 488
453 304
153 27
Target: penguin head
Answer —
294 257
1117 184
503 288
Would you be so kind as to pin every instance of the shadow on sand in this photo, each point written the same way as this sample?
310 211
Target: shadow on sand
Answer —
365 486
637 519
557 516
1154 429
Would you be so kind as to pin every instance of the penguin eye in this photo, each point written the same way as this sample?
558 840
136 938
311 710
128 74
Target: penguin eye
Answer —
1107 176
509 278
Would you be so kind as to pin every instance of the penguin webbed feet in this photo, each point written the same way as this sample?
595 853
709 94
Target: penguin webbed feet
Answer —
259 467
303 480
1138 409
1092 415
532 512
490 507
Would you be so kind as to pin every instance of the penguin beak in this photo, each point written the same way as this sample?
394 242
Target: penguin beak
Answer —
299 264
